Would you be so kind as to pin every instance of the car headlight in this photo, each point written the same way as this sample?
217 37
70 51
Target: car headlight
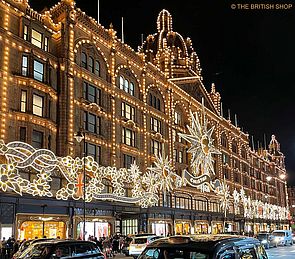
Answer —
264 241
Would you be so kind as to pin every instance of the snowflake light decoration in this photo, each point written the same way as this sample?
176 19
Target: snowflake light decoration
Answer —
224 197
202 147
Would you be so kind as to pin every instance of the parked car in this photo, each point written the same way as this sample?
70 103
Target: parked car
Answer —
57 248
205 247
267 239
283 237
139 243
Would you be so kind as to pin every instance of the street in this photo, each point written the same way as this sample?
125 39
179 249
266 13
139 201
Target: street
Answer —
284 252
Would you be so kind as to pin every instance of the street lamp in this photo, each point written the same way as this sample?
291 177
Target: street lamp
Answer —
79 137
43 223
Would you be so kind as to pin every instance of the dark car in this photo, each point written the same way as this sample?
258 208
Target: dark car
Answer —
26 244
267 240
57 248
204 247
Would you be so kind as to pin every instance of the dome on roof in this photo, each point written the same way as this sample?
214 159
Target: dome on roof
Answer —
167 43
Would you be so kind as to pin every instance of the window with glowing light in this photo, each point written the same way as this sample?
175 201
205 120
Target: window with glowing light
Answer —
156 147
38 105
38 71
127 111
46 40
128 137
177 117
156 125
25 66
126 85
23 101
37 139
36 38
25 32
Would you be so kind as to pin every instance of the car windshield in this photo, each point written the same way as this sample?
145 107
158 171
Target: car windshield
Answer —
262 236
279 234
140 241
36 251
173 253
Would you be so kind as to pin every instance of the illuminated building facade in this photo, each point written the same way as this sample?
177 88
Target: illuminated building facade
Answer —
61 71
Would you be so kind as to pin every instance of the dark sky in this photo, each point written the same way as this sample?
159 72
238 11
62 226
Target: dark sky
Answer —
249 55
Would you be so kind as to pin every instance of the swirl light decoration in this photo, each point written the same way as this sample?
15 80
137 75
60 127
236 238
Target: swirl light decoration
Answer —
17 157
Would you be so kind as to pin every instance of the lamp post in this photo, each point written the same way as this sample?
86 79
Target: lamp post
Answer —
43 223
79 137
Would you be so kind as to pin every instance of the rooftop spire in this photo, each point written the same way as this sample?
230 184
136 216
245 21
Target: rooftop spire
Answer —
164 22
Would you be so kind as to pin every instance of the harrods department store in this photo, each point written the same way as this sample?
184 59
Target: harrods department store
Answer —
61 71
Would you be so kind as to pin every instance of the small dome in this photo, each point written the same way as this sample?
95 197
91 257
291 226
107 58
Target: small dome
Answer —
165 43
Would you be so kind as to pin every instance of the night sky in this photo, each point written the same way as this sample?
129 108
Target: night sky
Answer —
249 55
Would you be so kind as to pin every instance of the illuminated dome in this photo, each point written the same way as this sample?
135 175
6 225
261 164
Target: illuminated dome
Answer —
169 51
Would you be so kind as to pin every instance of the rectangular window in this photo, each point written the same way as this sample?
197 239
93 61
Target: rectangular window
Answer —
36 38
25 32
128 160
38 71
23 134
37 105
46 40
128 111
156 125
94 151
91 123
156 147
25 66
91 93
128 137
37 139
23 101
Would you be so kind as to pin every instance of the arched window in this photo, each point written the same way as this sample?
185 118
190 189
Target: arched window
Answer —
97 68
223 140
84 60
126 86
122 82
234 146
91 64
131 88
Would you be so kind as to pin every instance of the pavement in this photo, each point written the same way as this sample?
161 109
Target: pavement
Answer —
281 252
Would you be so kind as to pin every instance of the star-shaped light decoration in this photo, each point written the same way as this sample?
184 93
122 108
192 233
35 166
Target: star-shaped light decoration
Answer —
166 177
224 197
202 147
